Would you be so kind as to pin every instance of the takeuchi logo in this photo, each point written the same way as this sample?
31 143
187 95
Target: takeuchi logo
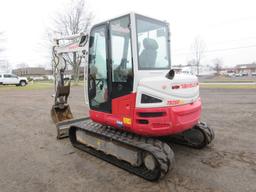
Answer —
73 46
185 85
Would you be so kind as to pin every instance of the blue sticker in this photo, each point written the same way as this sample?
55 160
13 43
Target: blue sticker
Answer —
119 124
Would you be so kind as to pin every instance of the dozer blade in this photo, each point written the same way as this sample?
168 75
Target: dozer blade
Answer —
63 127
61 114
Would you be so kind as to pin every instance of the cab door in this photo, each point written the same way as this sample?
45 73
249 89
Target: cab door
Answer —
123 99
121 57
98 67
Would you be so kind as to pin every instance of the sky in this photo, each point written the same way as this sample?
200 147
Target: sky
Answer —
228 27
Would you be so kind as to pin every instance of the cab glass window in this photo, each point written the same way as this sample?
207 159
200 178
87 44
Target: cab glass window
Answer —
153 46
98 74
122 68
7 76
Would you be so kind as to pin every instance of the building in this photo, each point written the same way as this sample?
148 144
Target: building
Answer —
40 73
246 69
69 73
204 70
4 66
227 71
36 73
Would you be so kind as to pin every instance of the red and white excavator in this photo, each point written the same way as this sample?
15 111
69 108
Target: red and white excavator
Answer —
137 104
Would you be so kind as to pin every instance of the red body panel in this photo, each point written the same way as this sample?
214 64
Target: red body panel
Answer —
160 121
122 107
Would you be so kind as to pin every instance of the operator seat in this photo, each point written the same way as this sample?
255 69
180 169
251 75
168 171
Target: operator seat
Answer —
147 58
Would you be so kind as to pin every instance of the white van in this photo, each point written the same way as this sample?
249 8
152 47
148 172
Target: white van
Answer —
10 79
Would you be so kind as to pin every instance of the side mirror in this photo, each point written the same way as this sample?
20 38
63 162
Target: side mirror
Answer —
83 40
170 75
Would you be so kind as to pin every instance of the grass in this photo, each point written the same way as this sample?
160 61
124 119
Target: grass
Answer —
30 86
37 85
227 86
229 81
225 79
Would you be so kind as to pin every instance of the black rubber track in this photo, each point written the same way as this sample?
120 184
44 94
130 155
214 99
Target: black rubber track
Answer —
201 129
162 153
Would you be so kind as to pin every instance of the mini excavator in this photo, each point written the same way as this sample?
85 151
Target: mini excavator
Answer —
137 104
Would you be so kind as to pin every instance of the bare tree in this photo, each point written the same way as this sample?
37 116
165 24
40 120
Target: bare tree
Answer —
4 65
191 62
22 65
2 38
198 48
217 65
75 19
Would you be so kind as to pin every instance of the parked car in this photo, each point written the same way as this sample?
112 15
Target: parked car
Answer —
10 79
238 75
231 74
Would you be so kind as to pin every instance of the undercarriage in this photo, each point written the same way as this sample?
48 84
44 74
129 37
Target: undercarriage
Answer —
149 158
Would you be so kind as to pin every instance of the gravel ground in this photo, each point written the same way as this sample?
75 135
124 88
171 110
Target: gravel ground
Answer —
33 160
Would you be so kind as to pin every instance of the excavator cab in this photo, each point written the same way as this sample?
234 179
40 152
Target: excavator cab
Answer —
130 82
121 52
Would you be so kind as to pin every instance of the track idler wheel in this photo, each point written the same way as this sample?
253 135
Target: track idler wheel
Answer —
149 161
198 137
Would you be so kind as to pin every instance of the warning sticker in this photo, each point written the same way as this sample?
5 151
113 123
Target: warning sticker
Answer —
127 121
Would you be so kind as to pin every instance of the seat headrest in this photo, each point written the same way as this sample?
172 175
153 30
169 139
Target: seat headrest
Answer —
150 43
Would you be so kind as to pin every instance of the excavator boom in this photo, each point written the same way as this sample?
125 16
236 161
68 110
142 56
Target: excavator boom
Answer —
64 45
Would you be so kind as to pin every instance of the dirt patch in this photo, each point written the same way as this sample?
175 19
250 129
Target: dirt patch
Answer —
33 160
